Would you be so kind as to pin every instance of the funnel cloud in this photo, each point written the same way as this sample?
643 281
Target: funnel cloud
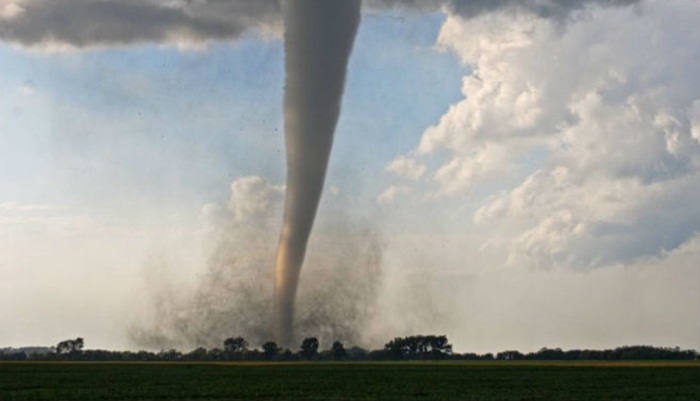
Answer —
318 41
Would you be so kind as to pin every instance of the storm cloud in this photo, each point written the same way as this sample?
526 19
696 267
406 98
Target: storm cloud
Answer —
50 24
90 23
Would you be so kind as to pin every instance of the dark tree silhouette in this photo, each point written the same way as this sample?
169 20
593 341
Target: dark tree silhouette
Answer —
270 350
309 347
412 347
237 345
70 347
169 355
197 354
418 347
509 356
338 351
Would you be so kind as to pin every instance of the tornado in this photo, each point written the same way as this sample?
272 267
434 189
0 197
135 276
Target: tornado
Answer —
319 36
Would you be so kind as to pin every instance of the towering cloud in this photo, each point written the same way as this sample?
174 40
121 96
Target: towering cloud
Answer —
590 136
318 41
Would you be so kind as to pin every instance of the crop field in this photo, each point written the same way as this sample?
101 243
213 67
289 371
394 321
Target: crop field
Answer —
350 381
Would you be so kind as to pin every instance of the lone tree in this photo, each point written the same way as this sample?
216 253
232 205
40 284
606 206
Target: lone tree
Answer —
338 351
70 347
270 350
237 345
309 347
418 347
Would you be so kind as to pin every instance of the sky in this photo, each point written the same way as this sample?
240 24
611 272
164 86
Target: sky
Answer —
516 176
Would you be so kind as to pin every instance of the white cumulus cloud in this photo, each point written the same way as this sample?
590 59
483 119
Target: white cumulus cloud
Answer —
582 139
253 198
406 167
391 194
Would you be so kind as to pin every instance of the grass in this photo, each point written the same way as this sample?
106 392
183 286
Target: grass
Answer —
350 381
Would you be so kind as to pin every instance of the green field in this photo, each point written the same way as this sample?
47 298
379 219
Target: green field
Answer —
350 381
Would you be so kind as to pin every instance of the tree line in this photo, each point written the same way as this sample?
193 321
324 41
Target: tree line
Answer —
418 347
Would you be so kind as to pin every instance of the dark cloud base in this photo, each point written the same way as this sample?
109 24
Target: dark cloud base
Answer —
95 23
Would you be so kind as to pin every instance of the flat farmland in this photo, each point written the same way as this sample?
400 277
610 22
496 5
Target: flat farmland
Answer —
350 381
